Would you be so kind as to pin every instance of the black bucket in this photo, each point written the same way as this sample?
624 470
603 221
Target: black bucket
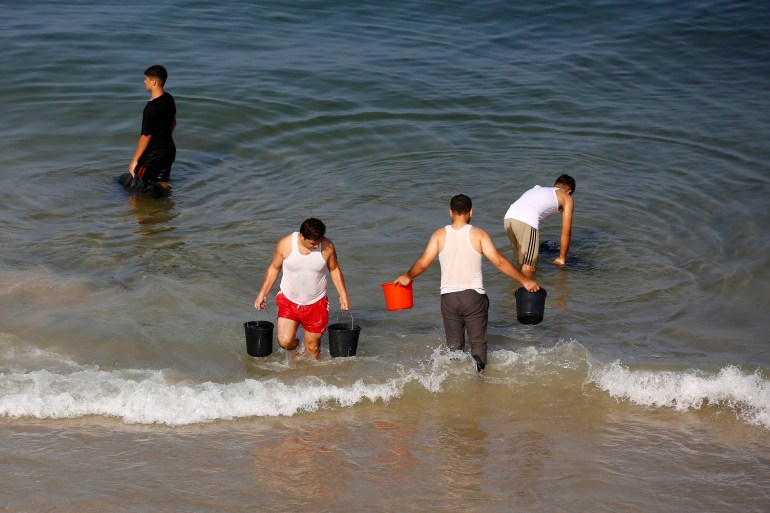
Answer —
530 306
259 338
343 338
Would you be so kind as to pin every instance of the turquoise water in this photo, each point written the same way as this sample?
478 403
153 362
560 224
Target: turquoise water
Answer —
124 381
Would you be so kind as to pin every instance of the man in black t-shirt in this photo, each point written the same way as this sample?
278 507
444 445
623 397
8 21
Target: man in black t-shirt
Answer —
150 167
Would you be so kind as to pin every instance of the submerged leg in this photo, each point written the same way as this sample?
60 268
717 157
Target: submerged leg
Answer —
312 343
476 318
454 325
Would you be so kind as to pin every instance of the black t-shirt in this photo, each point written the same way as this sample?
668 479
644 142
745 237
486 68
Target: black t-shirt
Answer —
158 121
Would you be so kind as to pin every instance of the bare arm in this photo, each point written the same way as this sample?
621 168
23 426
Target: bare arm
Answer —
273 270
144 141
337 278
422 263
566 230
489 250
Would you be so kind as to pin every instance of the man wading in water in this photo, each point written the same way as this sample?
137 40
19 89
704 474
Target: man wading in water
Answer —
150 167
304 257
464 302
522 221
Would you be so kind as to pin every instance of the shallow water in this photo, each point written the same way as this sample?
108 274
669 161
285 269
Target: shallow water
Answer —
124 380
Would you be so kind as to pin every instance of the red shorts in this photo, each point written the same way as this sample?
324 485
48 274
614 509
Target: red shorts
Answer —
313 318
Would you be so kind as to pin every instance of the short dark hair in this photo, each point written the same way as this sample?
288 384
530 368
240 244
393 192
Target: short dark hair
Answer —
566 180
460 204
157 71
313 229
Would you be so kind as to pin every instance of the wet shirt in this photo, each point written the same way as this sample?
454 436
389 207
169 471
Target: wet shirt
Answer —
534 205
158 121
460 262
304 276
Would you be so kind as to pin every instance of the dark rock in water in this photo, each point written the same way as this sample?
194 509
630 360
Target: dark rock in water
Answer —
129 180
549 250
135 184
549 246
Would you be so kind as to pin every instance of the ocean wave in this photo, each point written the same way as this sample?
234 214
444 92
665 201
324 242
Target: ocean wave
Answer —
150 397
161 397
165 397
744 393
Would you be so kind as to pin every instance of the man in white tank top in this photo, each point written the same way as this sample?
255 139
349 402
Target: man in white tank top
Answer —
522 221
464 302
305 257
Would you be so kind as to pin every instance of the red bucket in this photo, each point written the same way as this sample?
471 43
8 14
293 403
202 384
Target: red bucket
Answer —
397 297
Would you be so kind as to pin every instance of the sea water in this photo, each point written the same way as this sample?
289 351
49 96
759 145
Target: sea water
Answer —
124 379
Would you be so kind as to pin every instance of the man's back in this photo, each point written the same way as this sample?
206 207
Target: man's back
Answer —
460 261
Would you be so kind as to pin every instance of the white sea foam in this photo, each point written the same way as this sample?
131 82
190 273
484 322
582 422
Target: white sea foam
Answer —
569 355
67 390
159 397
746 394
150 397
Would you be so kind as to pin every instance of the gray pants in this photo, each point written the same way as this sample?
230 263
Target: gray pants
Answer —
463 311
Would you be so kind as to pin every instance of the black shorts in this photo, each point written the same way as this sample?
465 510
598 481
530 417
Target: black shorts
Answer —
153 174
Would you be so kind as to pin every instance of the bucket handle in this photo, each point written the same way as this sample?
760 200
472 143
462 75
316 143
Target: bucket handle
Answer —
351 317
252 309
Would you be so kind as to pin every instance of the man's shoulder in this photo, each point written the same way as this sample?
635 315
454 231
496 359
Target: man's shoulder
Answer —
327 249
477 231
477 235
327 245
165 100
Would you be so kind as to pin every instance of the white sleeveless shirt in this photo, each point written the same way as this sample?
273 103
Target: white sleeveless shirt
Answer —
304 276
460 263
534 205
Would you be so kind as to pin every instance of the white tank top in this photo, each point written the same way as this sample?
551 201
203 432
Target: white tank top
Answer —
304 276
534 205
460 263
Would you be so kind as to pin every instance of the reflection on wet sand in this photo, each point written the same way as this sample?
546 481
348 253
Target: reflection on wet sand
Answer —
393 445
561 291
302 465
